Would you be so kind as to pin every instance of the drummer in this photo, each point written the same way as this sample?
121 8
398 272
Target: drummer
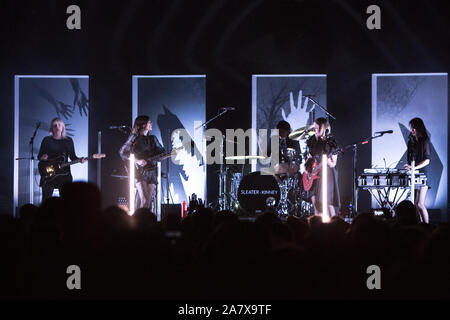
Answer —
286 145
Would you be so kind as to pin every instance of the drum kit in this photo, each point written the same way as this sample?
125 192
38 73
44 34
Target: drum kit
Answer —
279 189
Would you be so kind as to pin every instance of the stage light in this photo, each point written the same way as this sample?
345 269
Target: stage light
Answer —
131 182
325 217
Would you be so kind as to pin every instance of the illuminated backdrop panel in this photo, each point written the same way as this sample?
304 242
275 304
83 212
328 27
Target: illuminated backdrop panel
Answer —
39 99
176 102
398 98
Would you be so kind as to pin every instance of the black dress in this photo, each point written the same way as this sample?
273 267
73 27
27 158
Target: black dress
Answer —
58 148
143 147
419 150
316 149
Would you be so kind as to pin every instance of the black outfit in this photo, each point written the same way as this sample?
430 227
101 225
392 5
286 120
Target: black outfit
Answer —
143 147
60 149
283 145
316 148
419 150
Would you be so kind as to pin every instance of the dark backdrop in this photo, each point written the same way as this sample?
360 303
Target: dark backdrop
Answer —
226 40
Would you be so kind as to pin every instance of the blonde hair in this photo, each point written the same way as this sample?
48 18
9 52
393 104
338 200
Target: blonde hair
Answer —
57 119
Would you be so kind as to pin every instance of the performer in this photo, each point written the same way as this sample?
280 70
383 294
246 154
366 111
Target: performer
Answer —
419 151
284 129
323 143
144 146
57 146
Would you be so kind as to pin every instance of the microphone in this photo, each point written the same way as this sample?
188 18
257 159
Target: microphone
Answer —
383 132
38 124
118 127
227 108
310 95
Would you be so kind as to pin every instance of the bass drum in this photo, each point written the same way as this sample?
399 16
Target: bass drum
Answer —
256 191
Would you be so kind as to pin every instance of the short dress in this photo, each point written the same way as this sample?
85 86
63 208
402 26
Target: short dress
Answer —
316 148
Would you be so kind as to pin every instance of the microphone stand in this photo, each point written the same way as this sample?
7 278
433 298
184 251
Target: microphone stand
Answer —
31 158
213 118
32 164
168 194
325 110
354 146
222 183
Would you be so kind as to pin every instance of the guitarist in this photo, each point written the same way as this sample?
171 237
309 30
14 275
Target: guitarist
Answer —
144 146
57 145
322 143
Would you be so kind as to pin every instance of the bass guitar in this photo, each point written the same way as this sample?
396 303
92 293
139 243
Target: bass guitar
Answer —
312 170
159 157
52 168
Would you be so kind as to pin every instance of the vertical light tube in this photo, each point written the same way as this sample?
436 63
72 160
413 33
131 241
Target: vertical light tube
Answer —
325 217
99 161
158 194
413 168
131 181
32 181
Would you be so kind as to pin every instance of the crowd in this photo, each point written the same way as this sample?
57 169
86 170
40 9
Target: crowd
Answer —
216 255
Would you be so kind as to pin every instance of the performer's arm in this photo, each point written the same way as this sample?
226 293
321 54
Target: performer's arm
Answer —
72 154
42 155
125 150
332 161
425 162
159 148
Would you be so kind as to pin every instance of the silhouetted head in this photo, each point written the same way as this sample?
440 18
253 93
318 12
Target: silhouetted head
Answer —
27 211
406 213
143 218
284 128
82 209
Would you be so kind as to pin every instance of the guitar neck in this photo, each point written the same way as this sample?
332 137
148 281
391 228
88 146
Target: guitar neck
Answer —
155 158
163 155
66 164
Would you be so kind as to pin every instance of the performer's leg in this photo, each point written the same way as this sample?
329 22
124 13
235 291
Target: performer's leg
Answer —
151 188
145 199
140 198
137 199
46 192
316 210
331 211
420 203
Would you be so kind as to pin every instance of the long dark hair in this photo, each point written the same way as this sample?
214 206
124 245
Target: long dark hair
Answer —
421 131
323 125
140 123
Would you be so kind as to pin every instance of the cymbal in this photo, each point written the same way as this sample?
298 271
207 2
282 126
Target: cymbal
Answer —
302 133
244 157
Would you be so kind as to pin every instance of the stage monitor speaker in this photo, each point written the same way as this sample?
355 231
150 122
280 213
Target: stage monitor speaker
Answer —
171 214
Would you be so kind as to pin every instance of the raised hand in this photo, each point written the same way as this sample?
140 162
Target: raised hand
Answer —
65 109
69 131
80 98
298 117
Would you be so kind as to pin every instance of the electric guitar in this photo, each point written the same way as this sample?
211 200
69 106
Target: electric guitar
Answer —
52 168
312 170
159 157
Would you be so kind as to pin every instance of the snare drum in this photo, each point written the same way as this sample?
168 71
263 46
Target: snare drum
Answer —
257 191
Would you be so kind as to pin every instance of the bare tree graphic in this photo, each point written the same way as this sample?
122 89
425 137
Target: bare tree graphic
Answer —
395 93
